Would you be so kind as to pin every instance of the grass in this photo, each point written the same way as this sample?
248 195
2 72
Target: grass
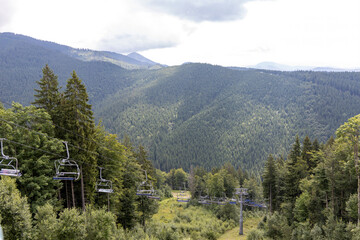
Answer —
249 224
169 209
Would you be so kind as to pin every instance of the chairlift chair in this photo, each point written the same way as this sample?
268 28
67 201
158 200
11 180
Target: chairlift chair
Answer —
8 165
233 201
66 169
103 185
182 197
145 188
204 200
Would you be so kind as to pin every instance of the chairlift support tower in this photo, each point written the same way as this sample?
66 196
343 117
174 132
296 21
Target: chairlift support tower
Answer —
241 192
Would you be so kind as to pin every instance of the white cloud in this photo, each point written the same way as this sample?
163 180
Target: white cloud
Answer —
205 10
297 32
6 12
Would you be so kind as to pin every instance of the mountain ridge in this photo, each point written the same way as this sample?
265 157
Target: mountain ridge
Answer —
193 114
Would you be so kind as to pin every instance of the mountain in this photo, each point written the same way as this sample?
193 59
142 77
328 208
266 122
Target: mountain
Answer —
145 60
199 114
123 61
282 67
193 114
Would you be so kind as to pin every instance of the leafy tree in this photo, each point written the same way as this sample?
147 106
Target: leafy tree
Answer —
350 132
100 224
71 225
180 178
14 211
146 208
46 222
35 149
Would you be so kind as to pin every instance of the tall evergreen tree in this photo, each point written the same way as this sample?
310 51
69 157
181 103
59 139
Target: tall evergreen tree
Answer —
296 169
306 153
80 130
269 182
48 96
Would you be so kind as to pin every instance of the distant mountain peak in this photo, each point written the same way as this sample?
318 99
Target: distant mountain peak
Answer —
282 67
141 58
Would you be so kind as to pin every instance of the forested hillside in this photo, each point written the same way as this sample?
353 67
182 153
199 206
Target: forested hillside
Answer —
193 114
198 114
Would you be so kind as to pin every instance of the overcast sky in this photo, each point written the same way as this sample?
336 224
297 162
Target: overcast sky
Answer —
223 32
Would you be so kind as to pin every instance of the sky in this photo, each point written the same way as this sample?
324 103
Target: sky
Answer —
240 33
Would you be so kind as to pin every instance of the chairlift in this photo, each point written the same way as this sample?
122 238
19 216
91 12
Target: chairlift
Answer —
7 164
145 188
66 169
232 201
204 200
103 185
182 196
250 203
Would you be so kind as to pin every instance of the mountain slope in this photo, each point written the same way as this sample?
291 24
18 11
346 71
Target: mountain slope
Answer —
22 59
123 61
193 114
198 114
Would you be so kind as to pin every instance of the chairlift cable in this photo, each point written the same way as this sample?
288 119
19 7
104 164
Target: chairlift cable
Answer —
68 130
45 135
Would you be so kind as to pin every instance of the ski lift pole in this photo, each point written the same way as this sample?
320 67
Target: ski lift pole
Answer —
241 231
241 192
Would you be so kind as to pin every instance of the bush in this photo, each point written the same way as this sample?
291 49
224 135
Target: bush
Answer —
276 227
255 234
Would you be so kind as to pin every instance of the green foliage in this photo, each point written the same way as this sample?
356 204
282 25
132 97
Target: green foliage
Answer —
270 182
46 222
71 225
255 234
301 209
48 96
34 150
14 211
276 227
193 113
80 130
100 224
351 207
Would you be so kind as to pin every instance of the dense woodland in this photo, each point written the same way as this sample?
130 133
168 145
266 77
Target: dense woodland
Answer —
314 193
35 206
193 114
311 193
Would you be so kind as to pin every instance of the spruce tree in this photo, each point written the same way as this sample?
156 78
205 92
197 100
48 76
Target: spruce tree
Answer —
306 153
80 130
48 96
296 169
269 182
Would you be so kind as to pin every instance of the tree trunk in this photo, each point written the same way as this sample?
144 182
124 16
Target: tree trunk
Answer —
270 201
67 195
356 159
82 189
72 193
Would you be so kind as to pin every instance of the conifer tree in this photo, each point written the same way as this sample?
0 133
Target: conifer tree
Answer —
296 169
306 153
80 130
269 182
48 96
